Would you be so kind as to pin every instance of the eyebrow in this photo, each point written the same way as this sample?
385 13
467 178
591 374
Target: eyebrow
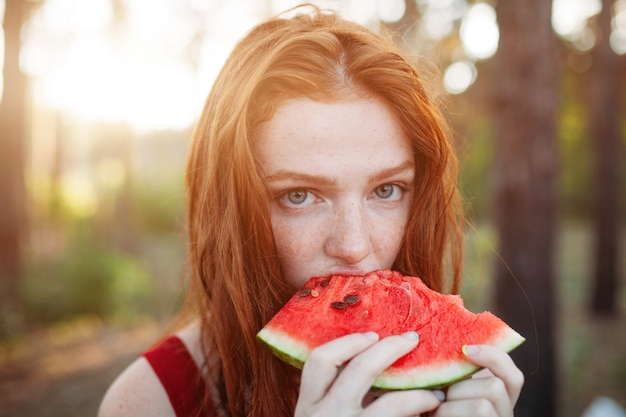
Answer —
283 175
389 172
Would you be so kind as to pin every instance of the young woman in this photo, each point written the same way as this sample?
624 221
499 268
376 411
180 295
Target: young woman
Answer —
318 151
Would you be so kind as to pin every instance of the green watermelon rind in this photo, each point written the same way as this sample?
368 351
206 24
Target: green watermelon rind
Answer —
290 351
434 376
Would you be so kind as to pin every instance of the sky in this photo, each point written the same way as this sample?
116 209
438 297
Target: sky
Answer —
153 67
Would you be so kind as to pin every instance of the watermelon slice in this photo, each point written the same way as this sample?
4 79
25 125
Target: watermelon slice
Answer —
388 303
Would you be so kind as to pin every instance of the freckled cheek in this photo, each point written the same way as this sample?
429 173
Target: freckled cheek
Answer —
297 243
387 237
285 236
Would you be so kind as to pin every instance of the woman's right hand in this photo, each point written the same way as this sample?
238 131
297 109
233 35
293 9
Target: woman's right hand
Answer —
338 375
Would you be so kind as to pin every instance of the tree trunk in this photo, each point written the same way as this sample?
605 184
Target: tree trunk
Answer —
525 103
12 191
604 118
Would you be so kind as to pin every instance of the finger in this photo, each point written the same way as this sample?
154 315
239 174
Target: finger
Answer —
404 403
500 364
483 373
320 369
477 407
358 375
489 388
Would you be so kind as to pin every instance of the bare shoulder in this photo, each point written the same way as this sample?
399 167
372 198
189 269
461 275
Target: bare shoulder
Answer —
190 335
137 391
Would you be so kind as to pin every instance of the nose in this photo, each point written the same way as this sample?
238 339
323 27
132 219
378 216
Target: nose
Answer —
348 235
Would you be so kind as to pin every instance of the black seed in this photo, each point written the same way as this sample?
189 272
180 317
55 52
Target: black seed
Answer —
339 305
305 291
325 283
351 299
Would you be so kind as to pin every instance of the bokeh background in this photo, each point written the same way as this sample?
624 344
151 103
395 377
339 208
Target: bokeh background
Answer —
99 100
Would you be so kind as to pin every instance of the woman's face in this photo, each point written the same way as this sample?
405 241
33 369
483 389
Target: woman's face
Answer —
341 176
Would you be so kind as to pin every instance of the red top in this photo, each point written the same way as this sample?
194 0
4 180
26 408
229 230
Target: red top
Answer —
180 377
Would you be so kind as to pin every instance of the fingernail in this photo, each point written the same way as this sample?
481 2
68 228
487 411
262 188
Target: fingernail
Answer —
371 335
470 350
441 396
412 336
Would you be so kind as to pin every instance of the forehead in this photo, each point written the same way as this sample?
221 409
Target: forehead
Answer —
313 135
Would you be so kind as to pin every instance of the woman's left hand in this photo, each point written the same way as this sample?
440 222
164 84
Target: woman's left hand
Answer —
491 392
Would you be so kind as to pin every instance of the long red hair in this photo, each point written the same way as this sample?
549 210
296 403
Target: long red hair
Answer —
236 284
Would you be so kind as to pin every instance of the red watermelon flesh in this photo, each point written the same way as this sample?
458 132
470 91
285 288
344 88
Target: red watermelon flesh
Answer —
388 303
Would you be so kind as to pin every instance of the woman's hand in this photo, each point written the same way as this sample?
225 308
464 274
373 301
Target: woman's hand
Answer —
491 392
327 392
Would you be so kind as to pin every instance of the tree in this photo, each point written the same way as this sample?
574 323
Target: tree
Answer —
12 189
604 125
525 173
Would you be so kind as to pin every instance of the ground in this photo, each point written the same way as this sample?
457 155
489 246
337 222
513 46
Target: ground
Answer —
67 373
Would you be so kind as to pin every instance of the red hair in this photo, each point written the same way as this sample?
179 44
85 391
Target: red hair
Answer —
236 284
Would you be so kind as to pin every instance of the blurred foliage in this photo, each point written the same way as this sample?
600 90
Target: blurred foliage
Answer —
159 208
475 168
119 261
88 278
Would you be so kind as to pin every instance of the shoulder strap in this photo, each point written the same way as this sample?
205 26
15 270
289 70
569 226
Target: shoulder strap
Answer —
180 376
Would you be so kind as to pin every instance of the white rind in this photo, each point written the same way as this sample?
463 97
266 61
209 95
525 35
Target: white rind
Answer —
290 350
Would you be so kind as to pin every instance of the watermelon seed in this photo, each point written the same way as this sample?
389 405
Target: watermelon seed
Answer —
305 291
339 305
325 283
351 299
314 293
